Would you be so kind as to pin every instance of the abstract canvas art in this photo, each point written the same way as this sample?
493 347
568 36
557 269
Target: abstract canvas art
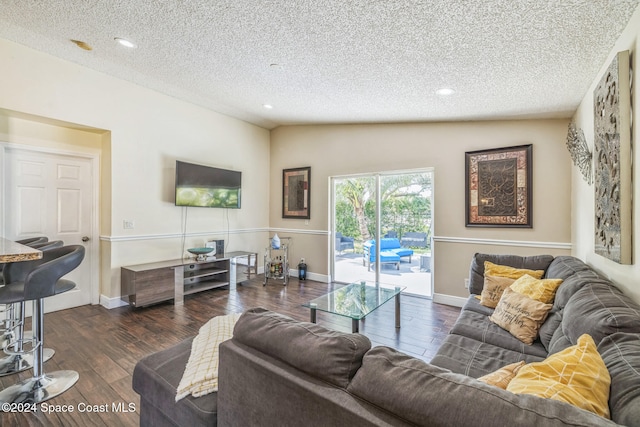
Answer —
498 187
612 169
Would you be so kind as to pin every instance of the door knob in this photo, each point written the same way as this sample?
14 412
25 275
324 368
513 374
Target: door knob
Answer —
85 238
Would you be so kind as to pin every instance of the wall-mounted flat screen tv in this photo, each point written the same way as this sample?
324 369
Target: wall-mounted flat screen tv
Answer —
206 186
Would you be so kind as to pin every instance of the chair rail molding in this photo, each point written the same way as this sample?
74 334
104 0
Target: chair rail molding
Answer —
496 242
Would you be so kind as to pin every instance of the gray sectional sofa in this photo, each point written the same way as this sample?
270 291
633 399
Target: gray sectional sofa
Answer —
277 371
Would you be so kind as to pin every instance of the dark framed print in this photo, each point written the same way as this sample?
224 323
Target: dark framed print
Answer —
498 185
296 193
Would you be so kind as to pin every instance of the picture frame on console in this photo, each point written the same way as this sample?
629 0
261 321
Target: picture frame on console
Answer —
296 193
498 187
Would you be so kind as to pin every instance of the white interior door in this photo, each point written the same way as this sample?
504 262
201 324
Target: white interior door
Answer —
52 195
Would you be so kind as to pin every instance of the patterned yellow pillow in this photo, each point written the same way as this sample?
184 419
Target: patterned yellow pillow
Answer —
492 290
491 269
575 375
543 290
520 315
503 376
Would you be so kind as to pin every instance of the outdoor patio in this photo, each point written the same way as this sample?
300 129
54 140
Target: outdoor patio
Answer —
349 269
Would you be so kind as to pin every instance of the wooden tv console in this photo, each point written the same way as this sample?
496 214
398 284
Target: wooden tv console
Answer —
146 284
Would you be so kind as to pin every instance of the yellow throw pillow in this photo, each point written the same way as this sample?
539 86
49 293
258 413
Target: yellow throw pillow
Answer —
575 375
493 288
520 315
543 290
503 376
491 269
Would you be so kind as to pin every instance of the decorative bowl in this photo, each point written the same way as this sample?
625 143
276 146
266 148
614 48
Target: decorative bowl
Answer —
200 251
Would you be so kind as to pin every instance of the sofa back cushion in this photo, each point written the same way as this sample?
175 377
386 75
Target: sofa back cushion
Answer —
427 395
476 273
328 355
562 267
597 309
621 353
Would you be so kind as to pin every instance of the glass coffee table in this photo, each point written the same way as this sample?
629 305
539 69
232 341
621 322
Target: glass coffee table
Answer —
356 301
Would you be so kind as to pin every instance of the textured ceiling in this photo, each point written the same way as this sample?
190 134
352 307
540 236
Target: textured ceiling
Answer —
339 61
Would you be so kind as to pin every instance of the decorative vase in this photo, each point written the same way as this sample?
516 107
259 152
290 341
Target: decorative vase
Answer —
275 242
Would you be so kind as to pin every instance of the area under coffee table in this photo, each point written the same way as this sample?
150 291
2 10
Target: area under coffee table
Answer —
356 301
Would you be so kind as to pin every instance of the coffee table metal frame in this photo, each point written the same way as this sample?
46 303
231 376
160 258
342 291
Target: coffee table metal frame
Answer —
356 301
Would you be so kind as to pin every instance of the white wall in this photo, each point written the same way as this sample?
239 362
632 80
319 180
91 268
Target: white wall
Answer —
140 134
351 149
583 202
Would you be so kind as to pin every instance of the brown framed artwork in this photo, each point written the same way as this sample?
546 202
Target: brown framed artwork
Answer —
296 193
498 185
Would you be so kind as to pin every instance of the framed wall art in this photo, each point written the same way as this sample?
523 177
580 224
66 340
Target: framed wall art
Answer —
498 185
296 193
612 165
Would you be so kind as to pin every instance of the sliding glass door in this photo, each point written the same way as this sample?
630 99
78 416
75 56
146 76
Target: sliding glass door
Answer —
393 208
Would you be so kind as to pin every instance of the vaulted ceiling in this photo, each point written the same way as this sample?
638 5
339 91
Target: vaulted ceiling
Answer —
338 61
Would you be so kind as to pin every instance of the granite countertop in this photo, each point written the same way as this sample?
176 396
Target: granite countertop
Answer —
11 251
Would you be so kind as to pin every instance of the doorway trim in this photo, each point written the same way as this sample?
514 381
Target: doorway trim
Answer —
94 160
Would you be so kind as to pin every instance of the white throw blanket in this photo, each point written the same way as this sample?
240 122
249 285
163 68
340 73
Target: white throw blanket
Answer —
201 374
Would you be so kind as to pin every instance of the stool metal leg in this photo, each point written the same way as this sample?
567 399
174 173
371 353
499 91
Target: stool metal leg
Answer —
41 386
18 360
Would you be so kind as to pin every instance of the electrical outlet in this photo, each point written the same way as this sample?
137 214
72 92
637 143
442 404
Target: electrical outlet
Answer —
466 283
128 224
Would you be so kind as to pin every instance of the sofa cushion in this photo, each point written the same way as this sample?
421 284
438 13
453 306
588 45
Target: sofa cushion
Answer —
156 378
386 256
571 285
476 273
473 304
549 327
427 395
576 375
402 252
520 315
621 354
599 310
562 267
480 328
475 358
328 355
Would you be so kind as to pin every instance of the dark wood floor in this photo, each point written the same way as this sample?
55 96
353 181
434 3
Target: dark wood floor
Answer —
104 345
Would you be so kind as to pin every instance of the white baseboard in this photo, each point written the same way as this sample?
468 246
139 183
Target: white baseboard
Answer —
449 300
110 303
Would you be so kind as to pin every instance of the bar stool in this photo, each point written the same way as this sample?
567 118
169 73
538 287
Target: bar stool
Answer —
26 242
9 309
43 281
14 336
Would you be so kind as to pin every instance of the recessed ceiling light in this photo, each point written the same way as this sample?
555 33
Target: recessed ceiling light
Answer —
125 42
267 106
445 91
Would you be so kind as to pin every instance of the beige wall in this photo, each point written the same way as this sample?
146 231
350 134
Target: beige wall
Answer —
583 202
138 134
333 150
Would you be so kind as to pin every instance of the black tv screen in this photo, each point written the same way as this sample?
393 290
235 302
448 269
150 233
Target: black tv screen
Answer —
206 186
